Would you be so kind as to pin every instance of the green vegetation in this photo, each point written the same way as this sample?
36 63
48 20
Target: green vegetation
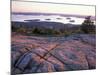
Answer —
88 26
45 31
13 28
36 31
22 30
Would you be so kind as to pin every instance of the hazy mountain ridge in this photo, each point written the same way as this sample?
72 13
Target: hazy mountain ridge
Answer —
65 15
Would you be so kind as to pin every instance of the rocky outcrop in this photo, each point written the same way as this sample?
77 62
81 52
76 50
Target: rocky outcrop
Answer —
51 54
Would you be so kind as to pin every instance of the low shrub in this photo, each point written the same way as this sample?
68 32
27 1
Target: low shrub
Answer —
21 30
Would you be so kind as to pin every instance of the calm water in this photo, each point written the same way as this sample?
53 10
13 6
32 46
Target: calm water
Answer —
48 18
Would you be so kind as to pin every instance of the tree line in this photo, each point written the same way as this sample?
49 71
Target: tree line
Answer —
87 27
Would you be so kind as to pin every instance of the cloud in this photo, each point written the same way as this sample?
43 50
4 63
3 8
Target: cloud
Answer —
24 6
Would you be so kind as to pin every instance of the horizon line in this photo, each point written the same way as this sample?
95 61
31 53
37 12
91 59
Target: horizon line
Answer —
51 13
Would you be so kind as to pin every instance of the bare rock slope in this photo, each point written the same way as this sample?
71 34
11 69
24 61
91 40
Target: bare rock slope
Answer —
31 54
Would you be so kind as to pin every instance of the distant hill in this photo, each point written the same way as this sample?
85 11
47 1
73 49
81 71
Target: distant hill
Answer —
43 24
67 15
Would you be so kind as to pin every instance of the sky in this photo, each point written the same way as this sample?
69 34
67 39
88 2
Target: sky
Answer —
22 6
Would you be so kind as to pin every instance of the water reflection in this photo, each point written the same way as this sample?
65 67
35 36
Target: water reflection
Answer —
48 18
